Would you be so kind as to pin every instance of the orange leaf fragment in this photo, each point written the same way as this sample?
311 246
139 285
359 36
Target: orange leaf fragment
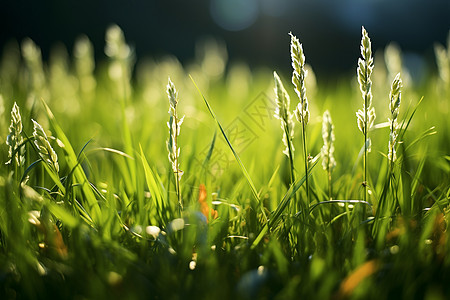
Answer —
204 208
57 242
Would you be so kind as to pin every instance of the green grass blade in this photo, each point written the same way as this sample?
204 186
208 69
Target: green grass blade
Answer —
407 121
154 186
62 214
236 156
314 206
210 151
289 194
429 132
72 162
50 172
275 217
115 151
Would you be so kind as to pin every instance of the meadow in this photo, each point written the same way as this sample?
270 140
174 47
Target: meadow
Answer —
131 179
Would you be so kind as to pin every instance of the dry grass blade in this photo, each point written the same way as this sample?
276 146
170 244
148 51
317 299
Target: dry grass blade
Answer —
351 282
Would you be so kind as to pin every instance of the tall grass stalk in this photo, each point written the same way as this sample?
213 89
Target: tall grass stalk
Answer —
287 125
328 161
394 107
174 125
301 112
366 116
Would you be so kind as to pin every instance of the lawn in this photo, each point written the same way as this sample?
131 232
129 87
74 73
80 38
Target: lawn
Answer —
130 179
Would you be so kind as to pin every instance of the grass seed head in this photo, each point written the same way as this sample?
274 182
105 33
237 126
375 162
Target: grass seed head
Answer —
443 62
116 46
298 79
33 61
174 125
31 53
282 99
85 64
365 67
394 106
173 98
328 161
283 114
395 96
121 61
15 139
46 151
393 59
364 71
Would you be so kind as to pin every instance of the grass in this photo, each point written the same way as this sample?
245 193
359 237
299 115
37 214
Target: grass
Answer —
89 208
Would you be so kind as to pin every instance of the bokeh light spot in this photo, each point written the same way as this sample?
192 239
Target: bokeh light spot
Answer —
234 15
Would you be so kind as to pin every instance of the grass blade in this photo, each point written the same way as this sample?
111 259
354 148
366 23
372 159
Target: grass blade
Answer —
153 186
236 156
72 161
275 217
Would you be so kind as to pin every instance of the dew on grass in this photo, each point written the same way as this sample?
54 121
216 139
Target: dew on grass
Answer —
192 265
114 278
394 249
153 231
176 224
41 269
137 229
261 270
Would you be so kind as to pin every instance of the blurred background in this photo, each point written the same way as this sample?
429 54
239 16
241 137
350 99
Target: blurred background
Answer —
254 31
